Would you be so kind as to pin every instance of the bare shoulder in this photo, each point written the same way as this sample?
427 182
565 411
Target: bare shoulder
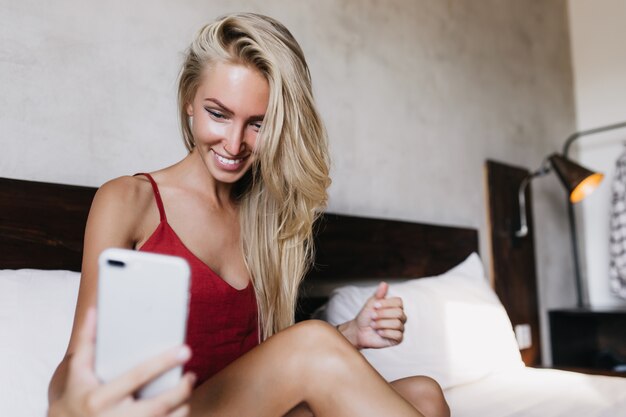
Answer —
122 204
126 193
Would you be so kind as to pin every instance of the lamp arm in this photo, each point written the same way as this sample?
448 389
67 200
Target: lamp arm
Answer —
521 196
573 137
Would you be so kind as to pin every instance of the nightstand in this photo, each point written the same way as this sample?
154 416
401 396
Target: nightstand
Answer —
586 339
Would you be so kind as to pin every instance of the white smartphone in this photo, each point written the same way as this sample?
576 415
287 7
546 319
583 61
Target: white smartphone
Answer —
142 311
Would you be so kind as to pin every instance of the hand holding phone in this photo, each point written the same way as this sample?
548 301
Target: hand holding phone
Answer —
142 312
85 396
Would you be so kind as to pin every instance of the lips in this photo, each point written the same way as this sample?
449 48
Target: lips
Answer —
228 161
229 164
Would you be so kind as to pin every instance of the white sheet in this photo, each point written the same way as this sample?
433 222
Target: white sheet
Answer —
36 313
36 310
531 392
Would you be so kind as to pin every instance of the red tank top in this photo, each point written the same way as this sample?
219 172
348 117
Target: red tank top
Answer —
223 321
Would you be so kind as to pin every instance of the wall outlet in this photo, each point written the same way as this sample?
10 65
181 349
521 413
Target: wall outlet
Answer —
524 336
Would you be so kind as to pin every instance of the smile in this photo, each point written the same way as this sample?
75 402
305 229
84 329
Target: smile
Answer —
229 164
228 161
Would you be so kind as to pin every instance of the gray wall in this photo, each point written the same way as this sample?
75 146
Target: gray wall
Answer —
416 95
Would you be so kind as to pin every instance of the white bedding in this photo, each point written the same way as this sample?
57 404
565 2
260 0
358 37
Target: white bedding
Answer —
37 307
531 392
36 313
458 333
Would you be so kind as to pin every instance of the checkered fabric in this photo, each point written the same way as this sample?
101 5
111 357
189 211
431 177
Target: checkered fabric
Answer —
617 268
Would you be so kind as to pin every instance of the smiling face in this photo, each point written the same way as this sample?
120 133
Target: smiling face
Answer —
228 110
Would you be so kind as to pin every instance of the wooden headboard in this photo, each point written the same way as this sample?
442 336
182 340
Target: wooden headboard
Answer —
42 224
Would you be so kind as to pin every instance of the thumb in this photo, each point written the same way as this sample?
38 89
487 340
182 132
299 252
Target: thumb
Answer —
381 291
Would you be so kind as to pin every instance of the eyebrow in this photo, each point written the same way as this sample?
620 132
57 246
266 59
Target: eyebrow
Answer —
220 104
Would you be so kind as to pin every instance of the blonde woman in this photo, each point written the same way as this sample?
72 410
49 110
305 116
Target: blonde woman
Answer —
240 208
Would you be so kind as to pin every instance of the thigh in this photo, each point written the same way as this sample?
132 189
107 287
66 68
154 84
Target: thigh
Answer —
270 380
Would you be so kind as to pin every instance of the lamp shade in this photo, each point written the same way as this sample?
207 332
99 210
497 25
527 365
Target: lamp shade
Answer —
578 180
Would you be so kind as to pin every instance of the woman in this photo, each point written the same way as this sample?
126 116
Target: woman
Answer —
240 208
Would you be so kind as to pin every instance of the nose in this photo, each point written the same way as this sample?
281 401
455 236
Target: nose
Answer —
234 142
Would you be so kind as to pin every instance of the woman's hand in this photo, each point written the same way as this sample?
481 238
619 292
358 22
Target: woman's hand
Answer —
380 323
85 396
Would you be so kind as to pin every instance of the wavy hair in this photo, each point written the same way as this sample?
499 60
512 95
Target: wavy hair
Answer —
285 190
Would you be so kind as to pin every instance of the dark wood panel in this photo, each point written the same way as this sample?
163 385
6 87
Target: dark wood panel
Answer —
513 259
350 247
42 224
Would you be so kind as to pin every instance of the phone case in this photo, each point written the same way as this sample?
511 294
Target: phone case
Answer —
142 311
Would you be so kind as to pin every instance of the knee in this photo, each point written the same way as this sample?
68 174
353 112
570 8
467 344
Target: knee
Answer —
425 394
317 346
316 334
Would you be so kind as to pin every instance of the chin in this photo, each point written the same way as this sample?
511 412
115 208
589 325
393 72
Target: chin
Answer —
229 177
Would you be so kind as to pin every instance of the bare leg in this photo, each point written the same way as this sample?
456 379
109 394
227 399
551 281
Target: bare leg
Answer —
425 394
308 362
422 392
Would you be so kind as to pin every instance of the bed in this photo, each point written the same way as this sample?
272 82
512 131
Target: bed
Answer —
434 268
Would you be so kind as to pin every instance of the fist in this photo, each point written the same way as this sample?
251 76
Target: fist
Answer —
380 323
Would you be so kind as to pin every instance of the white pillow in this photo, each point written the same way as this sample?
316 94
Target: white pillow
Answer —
36 314
457 330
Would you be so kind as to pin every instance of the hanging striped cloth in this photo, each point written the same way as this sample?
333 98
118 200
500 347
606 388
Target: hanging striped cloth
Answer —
617 267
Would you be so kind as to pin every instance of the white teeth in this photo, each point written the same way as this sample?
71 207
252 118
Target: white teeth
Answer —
227 161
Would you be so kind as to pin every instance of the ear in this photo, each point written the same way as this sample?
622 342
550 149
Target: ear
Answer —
189 109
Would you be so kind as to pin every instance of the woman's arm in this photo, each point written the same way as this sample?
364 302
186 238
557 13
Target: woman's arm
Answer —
114 221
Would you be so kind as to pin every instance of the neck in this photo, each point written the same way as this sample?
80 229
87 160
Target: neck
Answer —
196 175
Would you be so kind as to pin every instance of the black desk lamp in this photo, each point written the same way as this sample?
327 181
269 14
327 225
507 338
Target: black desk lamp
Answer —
579 183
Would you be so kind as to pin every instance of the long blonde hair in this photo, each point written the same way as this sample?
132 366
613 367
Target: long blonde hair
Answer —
283 194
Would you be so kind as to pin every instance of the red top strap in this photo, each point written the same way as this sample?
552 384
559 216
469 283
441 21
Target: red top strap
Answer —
157 195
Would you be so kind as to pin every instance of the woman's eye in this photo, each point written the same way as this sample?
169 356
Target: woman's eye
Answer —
215 114
257 126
